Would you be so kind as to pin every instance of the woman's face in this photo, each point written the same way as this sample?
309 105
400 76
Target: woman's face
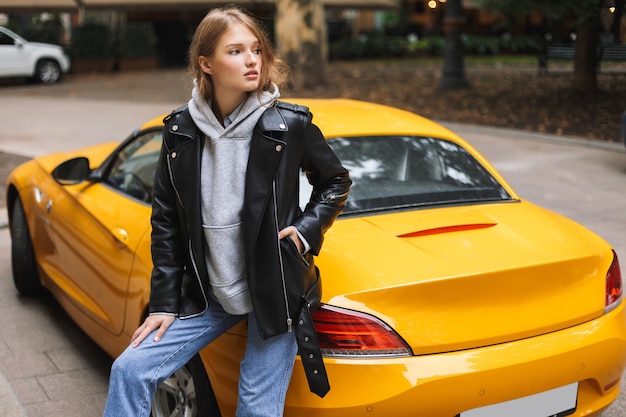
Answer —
235 66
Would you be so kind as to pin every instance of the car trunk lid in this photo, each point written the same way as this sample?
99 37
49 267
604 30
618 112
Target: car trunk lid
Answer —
463 277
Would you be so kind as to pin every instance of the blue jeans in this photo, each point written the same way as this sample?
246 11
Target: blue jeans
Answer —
264 376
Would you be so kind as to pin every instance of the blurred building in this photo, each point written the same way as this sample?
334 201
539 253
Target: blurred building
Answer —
425 17
174 21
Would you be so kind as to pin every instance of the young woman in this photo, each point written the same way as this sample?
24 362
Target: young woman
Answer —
229 240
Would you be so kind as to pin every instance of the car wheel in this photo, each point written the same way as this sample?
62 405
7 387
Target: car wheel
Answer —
25 273
48 71
187 393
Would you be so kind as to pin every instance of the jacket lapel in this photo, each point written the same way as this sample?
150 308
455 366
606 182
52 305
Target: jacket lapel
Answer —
185 159
266 151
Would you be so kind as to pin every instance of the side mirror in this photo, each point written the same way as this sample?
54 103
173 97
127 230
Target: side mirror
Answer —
72 171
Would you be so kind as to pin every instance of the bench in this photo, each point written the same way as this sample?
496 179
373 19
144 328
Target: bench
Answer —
612 52
566 51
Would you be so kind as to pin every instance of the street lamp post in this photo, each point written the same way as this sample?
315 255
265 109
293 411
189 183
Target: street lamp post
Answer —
453 68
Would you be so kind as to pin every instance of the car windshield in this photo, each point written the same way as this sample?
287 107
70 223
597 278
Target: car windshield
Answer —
401 172
132 170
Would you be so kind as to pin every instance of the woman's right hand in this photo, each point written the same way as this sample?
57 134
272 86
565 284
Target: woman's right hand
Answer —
154 321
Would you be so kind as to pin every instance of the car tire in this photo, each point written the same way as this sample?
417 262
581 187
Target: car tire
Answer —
23 262
187 393
48 71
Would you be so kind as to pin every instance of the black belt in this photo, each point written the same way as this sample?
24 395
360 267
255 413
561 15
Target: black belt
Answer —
310 353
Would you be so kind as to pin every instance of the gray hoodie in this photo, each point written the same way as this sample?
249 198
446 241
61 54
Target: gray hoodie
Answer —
222 183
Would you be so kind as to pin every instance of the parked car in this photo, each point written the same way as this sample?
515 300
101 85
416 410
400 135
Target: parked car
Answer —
445 293
40 61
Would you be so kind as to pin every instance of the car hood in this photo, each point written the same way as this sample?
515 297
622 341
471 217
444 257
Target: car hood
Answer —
49 46
96 155
463 277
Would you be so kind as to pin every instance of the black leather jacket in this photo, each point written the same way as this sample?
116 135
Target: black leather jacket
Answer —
284 140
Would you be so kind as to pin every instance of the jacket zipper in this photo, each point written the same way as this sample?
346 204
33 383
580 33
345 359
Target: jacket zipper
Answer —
280 259
195 270
191 256
169 169
330 198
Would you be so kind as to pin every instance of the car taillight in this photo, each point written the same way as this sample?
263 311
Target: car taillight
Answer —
348 333
613 285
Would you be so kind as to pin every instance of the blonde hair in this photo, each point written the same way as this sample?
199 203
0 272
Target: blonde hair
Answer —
208 33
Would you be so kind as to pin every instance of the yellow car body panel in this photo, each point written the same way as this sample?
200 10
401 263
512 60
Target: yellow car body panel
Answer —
419 292
450 383
518 312
104 225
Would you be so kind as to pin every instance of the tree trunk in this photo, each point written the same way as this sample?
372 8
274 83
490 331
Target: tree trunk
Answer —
586 58
301 40
454 67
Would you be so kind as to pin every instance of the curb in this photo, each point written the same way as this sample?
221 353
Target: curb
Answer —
535 136
4 218
9 404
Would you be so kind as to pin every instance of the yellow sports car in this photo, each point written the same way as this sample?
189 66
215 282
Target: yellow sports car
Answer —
445 294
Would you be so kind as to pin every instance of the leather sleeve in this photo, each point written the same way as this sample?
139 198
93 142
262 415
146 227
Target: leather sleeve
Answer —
331 183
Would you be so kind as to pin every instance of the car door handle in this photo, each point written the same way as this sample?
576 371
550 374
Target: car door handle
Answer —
121 235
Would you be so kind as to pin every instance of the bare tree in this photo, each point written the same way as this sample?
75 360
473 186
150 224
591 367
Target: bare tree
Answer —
301 40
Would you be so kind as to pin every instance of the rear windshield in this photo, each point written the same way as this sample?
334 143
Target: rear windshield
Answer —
401 172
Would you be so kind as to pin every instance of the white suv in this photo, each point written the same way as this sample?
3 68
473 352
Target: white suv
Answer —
20 58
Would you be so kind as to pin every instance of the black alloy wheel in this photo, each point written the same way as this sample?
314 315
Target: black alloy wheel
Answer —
187 393
23 262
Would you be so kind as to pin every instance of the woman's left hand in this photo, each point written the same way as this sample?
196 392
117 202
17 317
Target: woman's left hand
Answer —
292 233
